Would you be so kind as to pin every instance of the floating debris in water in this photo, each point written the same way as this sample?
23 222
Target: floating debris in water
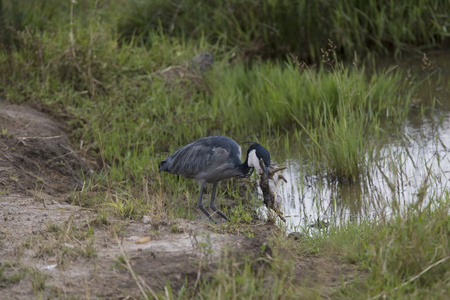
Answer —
320 224
295 235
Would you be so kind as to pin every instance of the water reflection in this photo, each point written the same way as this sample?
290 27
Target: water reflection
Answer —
406 174
411 171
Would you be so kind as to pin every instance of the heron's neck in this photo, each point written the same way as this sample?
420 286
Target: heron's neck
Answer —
252 161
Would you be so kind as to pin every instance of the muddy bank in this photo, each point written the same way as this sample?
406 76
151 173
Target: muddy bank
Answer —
35 154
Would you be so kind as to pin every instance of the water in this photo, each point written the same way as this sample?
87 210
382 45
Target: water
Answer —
411 171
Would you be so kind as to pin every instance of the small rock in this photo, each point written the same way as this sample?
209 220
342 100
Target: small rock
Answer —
143 240
202 61
68 245
146 219
295 235
49 267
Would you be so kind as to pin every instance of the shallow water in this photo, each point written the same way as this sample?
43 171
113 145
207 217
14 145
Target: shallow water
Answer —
412 170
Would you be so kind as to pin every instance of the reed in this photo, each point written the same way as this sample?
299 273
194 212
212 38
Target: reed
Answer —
273 29
339 110
252 29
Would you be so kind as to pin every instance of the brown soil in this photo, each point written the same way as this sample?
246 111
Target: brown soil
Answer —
45 239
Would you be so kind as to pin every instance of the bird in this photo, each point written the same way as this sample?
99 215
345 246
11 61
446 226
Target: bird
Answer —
213 159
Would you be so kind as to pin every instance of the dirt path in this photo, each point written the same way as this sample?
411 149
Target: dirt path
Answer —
53 239
51 248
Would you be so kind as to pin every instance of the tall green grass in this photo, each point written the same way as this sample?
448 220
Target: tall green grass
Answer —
407 254
267 29
274 29
282 95
340 110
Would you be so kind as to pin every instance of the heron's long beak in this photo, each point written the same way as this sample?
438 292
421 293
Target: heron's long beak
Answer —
262 168
266 170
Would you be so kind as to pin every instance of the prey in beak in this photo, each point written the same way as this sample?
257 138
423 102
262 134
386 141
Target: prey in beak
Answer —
268 183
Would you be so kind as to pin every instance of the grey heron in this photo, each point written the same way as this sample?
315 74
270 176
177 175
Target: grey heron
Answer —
212 159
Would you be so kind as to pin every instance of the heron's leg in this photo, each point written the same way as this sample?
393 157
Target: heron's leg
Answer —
213 205
200 204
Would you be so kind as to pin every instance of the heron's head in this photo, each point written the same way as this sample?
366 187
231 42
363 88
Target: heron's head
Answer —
256 152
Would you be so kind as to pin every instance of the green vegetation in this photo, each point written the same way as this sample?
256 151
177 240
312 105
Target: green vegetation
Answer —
98 73
273 29
267 29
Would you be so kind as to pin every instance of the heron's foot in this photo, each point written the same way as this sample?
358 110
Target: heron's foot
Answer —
215 209
207 213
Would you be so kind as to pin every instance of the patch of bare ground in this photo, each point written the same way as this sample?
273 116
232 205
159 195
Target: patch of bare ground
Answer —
35 154
54 250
